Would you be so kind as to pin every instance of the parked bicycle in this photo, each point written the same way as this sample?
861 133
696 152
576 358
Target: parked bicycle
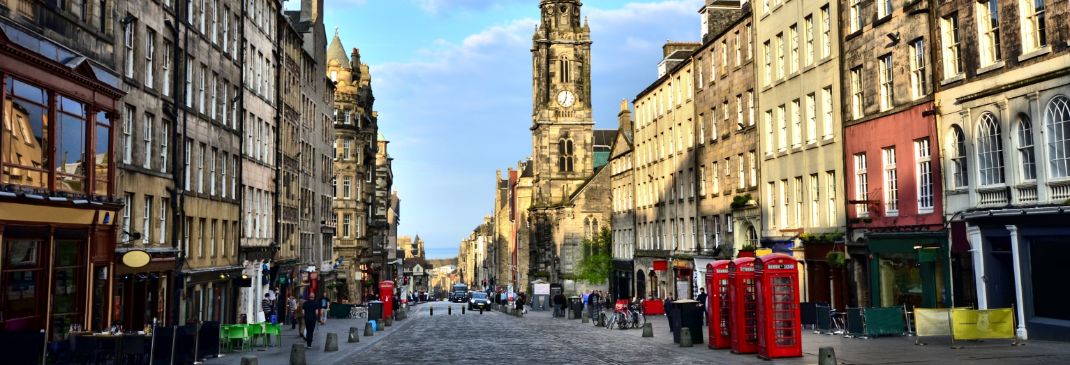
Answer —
625 316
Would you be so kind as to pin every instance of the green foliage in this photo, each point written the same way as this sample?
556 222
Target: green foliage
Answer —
836 258
740 201
824 238
597 261
748 248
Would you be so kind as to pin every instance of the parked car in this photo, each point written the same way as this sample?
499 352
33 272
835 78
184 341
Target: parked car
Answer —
478 300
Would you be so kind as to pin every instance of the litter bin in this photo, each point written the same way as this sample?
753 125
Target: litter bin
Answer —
686 313
375 310
575 304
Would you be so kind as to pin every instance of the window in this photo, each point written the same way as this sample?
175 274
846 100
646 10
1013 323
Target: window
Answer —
223 160
808 40
796 124
753 163
750 48
923 175
798 199
891 182
165 69
215 21
202 153
128 206
1025 150
211 238
989 151
200 16
857 94
149 120
782 128
189 82
826 29
856 15
782 194
212 170
768 120
347 187
793 37
213 102
346 146
750 107
150 53
779 45
724 56
201 81
146 220
129 37
988 31
830 192
826 96
887 99
701 129
959 175
716 178
1033 27
884 8
918 80
741 178
861 185
226 29
188 151
1057 116
566 159
161 228
815 209
234 176
702 181
128 138
770 196
739 49
811 118
949 30
165 139
739 112
767 69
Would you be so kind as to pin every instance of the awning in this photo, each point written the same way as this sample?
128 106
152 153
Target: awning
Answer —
778 244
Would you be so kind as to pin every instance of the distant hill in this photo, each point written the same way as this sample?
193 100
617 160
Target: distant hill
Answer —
442 262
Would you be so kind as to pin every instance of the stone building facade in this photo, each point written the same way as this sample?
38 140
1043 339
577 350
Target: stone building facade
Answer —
384 246
801 156
622 187
892 165
356 128
726 136
665 177
1004 120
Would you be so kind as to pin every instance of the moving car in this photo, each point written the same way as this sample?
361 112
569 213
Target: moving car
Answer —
459 293
478 300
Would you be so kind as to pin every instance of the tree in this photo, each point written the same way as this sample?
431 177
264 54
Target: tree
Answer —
597 261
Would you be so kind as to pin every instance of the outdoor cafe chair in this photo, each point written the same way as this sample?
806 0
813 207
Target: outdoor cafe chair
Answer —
238 333
256 331
273 330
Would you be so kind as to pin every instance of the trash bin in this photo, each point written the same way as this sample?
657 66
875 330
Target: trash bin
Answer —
375 310
575 304
686 313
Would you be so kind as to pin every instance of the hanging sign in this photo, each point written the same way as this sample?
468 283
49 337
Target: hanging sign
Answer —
136 258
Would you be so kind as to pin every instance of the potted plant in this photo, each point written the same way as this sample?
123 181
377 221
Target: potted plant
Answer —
740 201
747 251
836 259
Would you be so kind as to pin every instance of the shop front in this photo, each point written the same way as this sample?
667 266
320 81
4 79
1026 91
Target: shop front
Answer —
143 286
682 271
909 269
621 280
209 294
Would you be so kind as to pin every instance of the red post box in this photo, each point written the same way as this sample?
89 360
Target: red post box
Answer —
386 295
779 324
743 304
717 306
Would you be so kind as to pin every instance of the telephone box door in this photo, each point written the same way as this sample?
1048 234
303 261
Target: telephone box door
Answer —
718 311
779 323
742 294
386 295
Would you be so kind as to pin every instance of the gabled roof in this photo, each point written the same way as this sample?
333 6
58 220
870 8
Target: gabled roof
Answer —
575 194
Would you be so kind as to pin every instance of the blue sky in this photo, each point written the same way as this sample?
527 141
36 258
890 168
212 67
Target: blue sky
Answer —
452 82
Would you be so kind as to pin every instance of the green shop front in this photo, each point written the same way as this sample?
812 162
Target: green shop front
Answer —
909 269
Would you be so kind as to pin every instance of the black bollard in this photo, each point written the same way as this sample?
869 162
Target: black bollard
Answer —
432 310
481 310
449 310
462 309
354 336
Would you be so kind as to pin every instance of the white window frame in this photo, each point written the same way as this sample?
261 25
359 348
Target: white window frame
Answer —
923 175
857 93
1033 25
988 31
811 118
918 78
861 185
891 182
147 129
886 78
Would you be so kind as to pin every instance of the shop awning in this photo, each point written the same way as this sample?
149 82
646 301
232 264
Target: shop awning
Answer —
905 242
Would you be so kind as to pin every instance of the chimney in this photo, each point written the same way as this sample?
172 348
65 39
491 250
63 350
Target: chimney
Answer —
311 10
718 15
624 118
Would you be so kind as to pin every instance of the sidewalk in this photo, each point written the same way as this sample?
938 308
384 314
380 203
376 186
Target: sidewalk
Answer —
882 350
281 354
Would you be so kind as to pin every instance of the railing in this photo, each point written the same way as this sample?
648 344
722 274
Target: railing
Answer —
1059 191
1027 194
992 197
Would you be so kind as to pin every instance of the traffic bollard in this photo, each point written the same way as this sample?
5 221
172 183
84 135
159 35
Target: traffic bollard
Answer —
353 336
462 309
249 360
826 356
586 319
449 310
685 337
432 310
331 343
648 329
480 310
368 329
297 354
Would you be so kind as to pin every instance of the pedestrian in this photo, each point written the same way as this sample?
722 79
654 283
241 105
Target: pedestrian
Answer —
299 317
291 304
701 298
668 312
520 301
593 301
559 305
267 307
313 310
324 306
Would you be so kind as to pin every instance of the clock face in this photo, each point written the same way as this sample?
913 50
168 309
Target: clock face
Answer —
566 98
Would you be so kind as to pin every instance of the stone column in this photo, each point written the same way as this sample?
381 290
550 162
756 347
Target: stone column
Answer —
1018 295
973 234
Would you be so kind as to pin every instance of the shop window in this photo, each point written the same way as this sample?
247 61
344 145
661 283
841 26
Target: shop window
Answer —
67 291
23 272
25 135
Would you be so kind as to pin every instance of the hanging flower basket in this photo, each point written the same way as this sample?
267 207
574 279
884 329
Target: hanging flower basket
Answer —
836 259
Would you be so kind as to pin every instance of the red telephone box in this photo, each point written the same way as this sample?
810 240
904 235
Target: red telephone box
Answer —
779 324
743 304
717 308
386 295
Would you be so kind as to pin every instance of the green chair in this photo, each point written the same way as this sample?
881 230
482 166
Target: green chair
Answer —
224 338
256 331
239 333
273 330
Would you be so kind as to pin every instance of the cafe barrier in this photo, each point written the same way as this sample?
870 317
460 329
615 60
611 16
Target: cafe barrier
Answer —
932 322
872 322
823 318
972 324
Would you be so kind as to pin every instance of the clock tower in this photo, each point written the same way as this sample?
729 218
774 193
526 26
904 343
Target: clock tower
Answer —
562 123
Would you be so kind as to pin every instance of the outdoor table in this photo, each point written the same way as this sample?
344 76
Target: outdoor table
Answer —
94 348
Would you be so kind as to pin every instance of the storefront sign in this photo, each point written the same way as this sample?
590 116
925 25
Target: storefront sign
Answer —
661 265
136 258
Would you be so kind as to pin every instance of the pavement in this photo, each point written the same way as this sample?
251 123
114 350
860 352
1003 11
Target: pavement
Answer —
494 337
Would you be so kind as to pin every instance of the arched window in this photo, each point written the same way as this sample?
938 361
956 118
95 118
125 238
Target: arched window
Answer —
959 176
1058 124
566 159
594 227
587 227
752 236
989 151
1025 149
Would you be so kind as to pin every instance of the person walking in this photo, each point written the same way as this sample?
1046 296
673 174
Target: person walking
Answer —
593 301
313 310
559 305
291 306
267 307
701 298
299 317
